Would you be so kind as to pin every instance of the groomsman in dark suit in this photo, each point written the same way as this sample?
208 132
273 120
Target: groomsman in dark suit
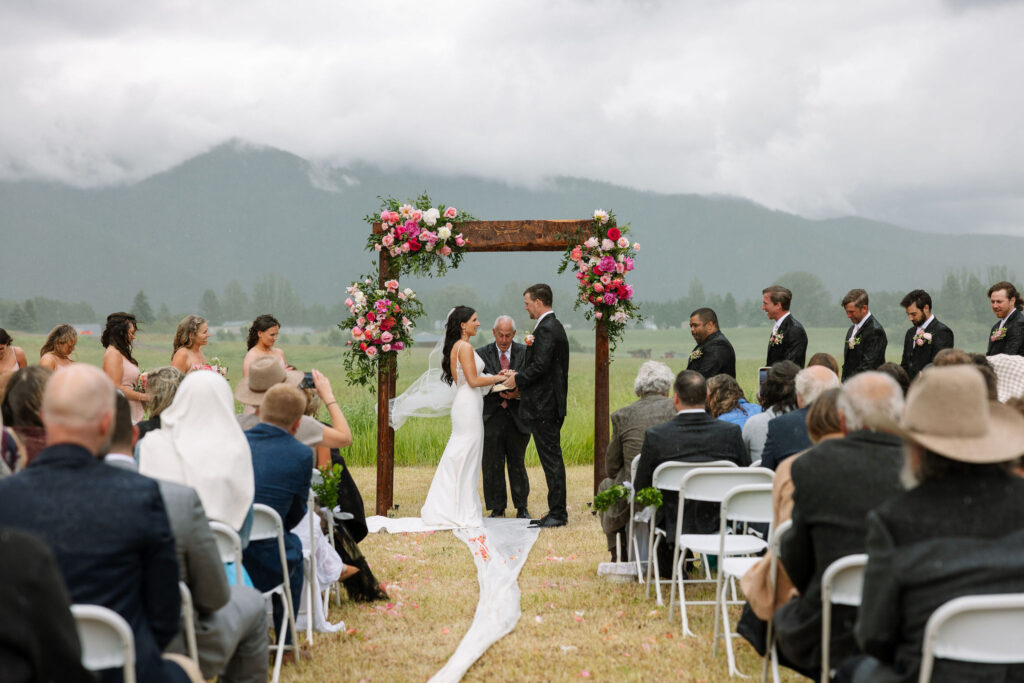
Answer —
788 340
543 381
865 342
505 434
926 336
713 354
1007 335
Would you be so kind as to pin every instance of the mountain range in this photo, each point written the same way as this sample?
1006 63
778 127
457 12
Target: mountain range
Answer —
239 212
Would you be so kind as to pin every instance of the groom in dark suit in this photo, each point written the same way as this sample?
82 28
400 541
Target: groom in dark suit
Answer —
505 434
926 336
1007 335
713 354
865 341
788 340
543 381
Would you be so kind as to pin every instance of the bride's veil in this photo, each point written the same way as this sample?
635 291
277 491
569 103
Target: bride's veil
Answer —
429 395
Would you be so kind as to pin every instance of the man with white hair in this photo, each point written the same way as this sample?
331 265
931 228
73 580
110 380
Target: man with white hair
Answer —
787 433
506 436
107 526
836 484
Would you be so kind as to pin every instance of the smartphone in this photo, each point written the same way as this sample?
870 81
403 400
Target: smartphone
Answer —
307 381
762 377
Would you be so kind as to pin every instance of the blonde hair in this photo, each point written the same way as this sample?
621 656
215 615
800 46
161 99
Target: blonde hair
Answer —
186 332
62 334
282 406
161 386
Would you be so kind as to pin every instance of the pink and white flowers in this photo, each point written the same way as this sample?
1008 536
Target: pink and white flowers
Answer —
380 322
922 338
415 238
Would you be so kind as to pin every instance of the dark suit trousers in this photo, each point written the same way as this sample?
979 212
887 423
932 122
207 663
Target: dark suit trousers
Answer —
547 437
504 444
262 561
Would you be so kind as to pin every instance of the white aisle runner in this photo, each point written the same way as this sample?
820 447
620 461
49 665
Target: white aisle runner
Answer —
500 549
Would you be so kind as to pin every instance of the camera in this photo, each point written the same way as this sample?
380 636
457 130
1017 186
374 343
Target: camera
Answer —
307 381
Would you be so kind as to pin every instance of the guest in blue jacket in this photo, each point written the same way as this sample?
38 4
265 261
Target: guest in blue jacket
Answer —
282 467
727 402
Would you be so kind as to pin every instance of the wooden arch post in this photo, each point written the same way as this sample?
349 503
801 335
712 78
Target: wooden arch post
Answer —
492 236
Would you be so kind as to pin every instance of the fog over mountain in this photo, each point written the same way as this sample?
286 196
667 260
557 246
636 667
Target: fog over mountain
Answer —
240 212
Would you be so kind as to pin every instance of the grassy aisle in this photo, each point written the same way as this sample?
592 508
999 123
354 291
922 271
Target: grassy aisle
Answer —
574 625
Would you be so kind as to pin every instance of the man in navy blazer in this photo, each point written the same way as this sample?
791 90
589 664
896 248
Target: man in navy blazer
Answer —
282 467
107 527
787 433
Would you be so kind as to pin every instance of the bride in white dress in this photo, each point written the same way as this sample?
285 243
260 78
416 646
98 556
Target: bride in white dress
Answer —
453 499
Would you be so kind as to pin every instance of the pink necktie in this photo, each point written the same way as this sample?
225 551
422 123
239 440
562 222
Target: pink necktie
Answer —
504 366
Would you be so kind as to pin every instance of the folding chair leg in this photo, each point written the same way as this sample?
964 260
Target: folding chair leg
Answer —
719 603
682 597
310 605
652 548
727 634
282 637
677 571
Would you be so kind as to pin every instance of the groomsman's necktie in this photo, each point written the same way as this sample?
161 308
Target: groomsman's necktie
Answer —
504 366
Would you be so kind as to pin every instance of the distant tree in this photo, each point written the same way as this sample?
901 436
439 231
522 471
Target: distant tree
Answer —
335 338
234 303
812 303
18 319
30 313
728 315
209 307
141 308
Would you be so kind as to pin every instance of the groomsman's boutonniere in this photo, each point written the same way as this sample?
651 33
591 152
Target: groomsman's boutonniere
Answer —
852 343
528 340
775 339
922 338
998 334
696 354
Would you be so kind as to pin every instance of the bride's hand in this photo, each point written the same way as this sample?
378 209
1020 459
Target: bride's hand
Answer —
510 380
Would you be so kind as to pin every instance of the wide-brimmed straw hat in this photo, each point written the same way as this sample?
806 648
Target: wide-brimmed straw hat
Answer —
264 373
948 412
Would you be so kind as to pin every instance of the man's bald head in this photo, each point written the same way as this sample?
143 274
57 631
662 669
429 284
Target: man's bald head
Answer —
78 407
812 381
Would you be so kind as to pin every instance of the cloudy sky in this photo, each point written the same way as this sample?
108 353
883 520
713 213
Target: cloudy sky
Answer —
911 112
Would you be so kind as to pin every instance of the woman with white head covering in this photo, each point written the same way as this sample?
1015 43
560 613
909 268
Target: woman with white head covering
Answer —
201 445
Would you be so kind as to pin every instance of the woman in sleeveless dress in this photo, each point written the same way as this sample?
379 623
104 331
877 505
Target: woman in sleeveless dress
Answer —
192 335
453 499
118 363
58 347
12 358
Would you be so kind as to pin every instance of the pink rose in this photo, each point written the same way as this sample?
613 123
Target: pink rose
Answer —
387 337
636 246
622 242
607 245
371 351
412 227
417 215
392 285
450 212
610 299
357 332
598 287
628 293
349 303
384 216
577 253
376 247
584 268
398 346
620 268
459 240
598 314
628 263
382 305
385 347
361 321
394 217
606 279
607 264
445 250
388 240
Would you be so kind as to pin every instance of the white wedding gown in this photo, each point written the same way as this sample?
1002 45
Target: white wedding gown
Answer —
453 499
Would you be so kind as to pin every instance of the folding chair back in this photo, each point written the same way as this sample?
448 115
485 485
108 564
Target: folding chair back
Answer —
230 547
841 584
771 657
668 475
713 484
748 503
267 525
975 628
107 639
188 621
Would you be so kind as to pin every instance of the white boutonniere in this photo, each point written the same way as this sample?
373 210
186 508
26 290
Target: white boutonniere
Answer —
998 334
528 340
922 338
696 354
852 343
775 339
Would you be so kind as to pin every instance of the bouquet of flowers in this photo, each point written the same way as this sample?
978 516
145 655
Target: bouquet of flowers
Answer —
381 323
327 488
601 262
215 365
421 238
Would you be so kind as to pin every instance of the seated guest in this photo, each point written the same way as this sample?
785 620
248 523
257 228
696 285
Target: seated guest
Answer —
58 347
629 424
787 434
107 527
947 357
161 385
38 639
231 624
956 531
283 467
268 371
727 402
1009 371
826 360
897 373
835 484
21 408
199 444
778 396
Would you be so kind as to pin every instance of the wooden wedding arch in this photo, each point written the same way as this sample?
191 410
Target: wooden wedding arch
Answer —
497 236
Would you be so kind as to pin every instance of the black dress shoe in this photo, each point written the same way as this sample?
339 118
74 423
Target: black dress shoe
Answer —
498 513
549 522
522 513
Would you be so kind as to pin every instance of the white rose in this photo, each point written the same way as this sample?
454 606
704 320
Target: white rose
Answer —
444 232
601 216
591 243
408 292
607 244
430 216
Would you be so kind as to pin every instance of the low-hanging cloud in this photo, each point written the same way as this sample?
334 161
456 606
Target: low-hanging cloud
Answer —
900 111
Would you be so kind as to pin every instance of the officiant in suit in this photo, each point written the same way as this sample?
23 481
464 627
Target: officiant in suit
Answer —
1007 335
505 434
543 381
788 340
713 354
865 341
926 336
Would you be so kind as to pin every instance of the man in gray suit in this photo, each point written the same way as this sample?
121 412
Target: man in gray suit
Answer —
231 622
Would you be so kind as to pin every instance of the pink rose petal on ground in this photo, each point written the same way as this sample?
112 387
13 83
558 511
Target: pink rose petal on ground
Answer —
584 674
444 631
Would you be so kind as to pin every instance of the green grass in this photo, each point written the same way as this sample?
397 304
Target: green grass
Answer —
421 441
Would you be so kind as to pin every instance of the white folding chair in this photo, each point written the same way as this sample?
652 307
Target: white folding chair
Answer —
107 640
771 655
841 584
632 545
975 628
710 485
188 619
312 588
746 504
230 547
667 477
267 525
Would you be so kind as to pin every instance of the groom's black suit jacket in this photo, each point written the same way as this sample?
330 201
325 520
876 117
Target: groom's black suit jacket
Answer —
543 378
793 346
917 358
492 366
869 352
716 356
1013 342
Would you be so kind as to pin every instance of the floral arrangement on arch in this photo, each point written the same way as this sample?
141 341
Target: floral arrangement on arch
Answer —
420 238
601 262
381 322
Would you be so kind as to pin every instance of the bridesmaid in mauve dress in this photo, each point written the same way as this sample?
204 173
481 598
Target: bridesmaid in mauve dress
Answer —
118 362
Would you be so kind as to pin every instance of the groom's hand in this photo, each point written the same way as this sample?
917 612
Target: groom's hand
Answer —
510 394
